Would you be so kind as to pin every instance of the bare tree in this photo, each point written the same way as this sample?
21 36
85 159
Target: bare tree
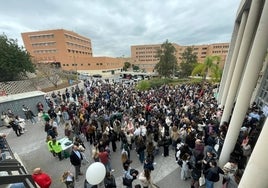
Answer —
52 73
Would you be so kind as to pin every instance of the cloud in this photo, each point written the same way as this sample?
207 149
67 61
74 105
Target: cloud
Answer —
115 25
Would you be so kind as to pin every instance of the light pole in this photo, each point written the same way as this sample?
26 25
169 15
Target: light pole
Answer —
75 64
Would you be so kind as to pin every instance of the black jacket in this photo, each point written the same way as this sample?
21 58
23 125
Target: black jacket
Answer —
75 159
212 174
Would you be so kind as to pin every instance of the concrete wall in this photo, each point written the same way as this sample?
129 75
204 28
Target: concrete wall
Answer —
15 102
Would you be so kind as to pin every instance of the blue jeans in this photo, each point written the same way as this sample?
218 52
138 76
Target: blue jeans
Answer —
141 156
209 184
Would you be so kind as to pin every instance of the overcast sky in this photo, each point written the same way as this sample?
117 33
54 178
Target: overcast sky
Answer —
114 25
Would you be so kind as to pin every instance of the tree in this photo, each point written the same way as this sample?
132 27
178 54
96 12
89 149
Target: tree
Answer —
211 66
15 62
167 64
126 66
51 73
135 68
189 60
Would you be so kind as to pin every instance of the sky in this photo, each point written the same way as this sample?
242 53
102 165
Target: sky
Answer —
115 25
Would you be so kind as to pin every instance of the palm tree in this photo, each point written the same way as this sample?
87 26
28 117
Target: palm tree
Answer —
211 66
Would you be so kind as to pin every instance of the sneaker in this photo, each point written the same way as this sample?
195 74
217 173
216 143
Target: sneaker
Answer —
112 170
154 163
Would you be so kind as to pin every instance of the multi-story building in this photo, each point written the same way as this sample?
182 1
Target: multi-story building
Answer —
145 56
67 49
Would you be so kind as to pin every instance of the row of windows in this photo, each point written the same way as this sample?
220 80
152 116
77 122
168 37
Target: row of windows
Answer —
41 44
144 56
79 52
219 52
46 58
220 46
148 60
146 52
147 48
98 64
76 38
77 45
45 51
42 36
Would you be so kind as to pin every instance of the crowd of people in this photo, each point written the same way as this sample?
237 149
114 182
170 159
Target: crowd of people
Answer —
185 118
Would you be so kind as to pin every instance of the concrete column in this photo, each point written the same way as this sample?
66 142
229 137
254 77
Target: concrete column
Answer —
247 40
255 174
250 78
227 62
234 58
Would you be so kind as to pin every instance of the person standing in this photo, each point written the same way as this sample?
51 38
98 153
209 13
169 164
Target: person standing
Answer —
28 114
95 152
56 146
40 107
186 166
49 145
15 126
5 119
146 180
104 158
109 181
140 144
212 174
41 178
230 171
68 179
76 159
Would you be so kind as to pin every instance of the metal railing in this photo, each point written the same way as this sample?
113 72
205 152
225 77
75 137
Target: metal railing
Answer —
12 171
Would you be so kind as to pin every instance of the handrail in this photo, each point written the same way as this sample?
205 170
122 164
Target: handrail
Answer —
15 171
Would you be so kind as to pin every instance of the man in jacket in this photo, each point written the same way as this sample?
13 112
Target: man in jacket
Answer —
76 158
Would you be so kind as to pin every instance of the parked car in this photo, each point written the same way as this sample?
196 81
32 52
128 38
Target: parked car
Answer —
97 76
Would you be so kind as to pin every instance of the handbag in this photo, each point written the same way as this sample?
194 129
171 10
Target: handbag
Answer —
202 180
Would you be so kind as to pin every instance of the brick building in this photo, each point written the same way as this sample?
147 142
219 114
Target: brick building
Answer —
67 49
145 56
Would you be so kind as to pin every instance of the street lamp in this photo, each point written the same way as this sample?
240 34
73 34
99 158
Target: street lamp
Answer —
75 64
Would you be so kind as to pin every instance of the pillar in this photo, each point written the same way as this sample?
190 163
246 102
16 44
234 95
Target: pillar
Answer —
255 174
247 40
234 58
227 62
250 78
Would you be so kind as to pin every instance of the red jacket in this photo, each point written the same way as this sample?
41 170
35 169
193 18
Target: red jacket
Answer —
104 157
43 180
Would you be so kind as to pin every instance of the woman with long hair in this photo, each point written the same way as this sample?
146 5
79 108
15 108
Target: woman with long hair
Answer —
146 180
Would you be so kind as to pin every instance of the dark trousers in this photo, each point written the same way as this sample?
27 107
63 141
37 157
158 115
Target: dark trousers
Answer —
91 138
18 132
114 146
60 155
77 170
166 152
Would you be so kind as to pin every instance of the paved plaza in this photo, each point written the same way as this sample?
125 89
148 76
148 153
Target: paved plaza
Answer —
32 150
